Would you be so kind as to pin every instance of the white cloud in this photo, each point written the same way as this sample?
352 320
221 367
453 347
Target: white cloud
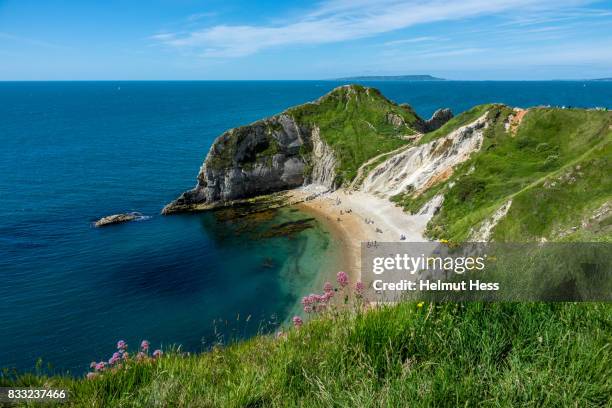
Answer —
411 41
30 41
200 16
341 20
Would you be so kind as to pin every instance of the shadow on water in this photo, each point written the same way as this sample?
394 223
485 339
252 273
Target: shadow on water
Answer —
255 221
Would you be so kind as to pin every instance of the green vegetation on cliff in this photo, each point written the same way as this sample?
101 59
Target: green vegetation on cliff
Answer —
358 123
555 167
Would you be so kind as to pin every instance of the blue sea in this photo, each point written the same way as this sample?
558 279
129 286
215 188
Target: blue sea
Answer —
72 152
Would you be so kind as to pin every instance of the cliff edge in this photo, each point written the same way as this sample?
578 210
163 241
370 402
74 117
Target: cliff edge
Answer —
323 142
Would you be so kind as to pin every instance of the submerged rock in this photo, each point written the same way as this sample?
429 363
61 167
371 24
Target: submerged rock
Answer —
117 218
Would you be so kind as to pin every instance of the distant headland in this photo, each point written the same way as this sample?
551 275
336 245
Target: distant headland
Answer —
392 78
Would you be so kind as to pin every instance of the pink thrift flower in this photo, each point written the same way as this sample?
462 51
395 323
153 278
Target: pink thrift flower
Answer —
328 296
121 345
116 357
140 356
144 345
342 278
157 353
100 366
297 322
359 287
91 376
328 287
308 309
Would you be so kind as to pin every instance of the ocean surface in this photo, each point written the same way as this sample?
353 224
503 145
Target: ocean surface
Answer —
72 152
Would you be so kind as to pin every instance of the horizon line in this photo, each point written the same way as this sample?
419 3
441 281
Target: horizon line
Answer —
603 79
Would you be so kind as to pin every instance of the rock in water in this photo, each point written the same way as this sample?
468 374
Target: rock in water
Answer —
116 219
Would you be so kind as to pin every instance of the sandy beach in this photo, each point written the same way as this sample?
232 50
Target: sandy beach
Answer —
355 217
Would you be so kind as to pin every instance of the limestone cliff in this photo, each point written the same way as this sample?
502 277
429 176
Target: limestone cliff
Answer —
323 142
418 167
261 158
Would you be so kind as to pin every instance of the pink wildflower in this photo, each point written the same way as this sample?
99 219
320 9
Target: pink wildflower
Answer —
328 287
359 287
100 366
157 353
92 364
328 296
91 376
308 309
116 357
342 278
297 322
144 345
140 356
121 345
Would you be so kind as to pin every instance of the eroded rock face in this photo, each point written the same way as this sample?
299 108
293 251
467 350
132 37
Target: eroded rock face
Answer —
439 118
421 166
267 156
323 162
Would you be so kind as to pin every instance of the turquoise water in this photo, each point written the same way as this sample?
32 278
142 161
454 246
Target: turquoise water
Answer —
75 151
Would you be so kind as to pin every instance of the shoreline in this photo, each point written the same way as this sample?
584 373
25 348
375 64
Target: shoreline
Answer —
345 213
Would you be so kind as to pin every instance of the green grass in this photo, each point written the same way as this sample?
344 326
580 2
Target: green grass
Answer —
548 146
446 355
354 122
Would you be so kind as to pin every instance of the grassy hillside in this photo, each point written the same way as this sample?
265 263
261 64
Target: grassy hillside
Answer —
556 168
358 123
448 355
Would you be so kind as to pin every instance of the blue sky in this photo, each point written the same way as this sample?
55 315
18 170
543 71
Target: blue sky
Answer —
246 39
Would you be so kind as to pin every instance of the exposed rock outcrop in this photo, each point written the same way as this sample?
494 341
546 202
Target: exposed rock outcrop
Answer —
432 207
117 219
420 166
323 162
485 230
261 158
437 120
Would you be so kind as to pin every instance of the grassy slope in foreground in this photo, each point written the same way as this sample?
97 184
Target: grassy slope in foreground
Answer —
354 121
449 355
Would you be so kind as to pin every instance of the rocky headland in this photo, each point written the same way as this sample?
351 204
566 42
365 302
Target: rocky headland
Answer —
301 146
